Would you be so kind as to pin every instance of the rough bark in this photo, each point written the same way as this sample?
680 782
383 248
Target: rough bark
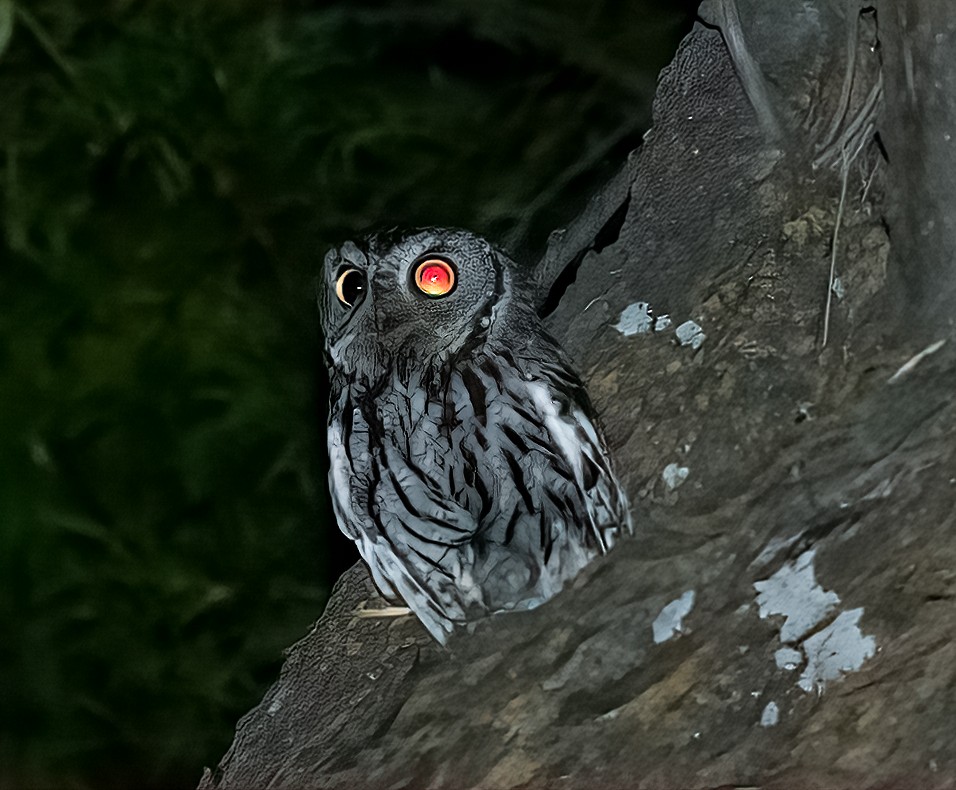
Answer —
919 132
785 615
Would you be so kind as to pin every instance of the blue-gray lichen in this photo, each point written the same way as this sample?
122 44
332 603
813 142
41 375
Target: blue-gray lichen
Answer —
669 622
839 648
794 593
827 653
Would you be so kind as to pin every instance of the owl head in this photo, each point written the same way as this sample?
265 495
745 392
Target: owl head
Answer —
422 294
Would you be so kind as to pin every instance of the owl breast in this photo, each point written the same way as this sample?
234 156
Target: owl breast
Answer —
474 486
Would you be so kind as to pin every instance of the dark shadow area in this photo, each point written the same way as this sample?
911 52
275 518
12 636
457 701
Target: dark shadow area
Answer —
170 176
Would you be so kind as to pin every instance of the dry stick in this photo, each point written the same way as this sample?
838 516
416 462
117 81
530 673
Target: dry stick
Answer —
869 180
863 118
858 133
853 24
751 77
913 361
844 177
385 611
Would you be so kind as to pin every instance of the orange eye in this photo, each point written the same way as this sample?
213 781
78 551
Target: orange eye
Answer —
349 287
435 277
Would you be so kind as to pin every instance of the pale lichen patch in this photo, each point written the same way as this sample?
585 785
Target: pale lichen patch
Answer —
669 623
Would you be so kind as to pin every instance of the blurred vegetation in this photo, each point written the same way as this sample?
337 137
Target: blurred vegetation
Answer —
170 174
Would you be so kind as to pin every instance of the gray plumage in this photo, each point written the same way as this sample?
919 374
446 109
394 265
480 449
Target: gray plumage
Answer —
466 461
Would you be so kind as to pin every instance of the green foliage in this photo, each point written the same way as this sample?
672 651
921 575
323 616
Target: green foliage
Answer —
169 176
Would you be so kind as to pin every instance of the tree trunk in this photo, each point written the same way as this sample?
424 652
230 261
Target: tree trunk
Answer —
784 616
919 132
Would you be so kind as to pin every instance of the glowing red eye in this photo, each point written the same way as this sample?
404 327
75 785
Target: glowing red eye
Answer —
435 277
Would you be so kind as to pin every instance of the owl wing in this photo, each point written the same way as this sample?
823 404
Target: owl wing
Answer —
392 497
566 411
542 489
556 452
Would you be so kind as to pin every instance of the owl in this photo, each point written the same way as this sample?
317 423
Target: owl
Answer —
466 461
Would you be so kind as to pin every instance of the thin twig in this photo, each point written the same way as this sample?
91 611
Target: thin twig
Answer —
751 77
851 47
844 178
863 118
385 611
869 180
913 361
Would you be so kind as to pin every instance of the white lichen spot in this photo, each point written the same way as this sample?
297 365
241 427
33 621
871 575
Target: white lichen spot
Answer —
837 649
770 715
794 593
787 658
635 319
674 475
690 334
669 622
827 644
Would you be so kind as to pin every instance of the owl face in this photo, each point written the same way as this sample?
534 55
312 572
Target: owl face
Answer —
422 294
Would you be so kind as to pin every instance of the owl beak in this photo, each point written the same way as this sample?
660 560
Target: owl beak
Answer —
383 281
386 323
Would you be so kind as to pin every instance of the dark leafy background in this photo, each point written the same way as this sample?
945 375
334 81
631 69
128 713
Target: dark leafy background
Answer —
170 174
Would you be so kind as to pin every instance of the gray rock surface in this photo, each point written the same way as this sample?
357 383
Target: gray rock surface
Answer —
785 615
919 132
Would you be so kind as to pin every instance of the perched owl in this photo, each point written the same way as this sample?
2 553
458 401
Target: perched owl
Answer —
466 461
